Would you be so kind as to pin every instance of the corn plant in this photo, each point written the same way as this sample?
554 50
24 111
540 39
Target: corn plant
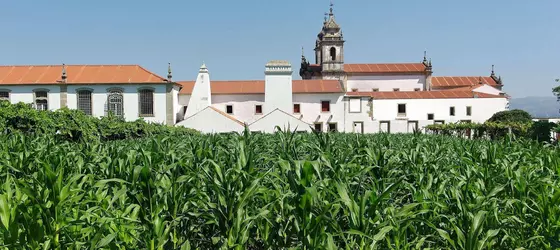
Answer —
278 191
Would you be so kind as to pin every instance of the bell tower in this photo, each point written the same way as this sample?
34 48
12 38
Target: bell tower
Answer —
329 48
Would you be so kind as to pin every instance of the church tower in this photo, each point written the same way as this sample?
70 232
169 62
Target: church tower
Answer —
329 48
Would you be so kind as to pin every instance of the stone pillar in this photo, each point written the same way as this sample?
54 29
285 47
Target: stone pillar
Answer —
63 96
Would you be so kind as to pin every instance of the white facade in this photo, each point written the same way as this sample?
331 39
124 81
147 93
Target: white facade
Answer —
130 100
278 86
243 106
210 120
346 112
201 92
281 119
386 83
99 93
25 94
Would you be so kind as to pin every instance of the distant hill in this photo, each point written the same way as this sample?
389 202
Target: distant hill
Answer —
537 106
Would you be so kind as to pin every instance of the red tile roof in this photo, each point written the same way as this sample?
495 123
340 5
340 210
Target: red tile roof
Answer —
424 94
257 87
385 68
457 81
77 74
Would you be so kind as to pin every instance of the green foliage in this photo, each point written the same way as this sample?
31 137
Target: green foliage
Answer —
278 191
74 125
492 130
541 131
511 116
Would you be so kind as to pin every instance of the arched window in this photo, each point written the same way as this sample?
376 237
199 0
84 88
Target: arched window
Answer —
115 102
146 102
84 101
41 100
333 53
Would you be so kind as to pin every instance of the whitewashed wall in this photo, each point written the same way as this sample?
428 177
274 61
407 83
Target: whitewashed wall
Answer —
386 83
176 106
281 119
488 90
417 110
25 94
310 107
130 98
210 121
243 105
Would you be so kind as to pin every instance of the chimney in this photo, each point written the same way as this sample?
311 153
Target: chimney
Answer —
201 96
278 86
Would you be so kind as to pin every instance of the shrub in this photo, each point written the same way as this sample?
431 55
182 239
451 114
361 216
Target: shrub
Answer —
74 125
515 115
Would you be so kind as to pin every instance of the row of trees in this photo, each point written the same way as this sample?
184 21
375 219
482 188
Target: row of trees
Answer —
516 122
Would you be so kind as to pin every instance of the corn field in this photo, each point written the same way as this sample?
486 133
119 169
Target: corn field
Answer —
280 191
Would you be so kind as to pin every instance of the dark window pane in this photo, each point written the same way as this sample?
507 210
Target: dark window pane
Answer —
229 109
296 109
402 109
325 106
146 102
318 127
84 101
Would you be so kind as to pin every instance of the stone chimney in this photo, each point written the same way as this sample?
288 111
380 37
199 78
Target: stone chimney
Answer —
278 86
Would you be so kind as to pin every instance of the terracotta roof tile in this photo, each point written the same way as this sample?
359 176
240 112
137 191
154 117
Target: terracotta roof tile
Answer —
459 81
424 94
257 87
385 68
77 74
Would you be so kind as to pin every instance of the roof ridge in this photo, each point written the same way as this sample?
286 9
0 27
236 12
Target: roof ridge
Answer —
227 115
150 72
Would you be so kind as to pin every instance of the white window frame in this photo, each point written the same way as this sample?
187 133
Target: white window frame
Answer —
116 93
359 108
45 98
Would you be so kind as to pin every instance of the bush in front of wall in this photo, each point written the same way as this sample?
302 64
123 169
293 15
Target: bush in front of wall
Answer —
75 125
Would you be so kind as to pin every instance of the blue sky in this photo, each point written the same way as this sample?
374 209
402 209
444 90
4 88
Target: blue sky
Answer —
236 38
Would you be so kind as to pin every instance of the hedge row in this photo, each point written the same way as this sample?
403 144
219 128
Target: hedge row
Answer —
539 130
74 125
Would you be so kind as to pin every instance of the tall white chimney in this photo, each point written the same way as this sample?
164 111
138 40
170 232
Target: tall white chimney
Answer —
278 86
201 96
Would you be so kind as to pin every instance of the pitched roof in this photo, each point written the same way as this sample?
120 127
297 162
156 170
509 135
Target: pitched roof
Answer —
257 87
385 68
456 81
227 115
77 74
424 94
